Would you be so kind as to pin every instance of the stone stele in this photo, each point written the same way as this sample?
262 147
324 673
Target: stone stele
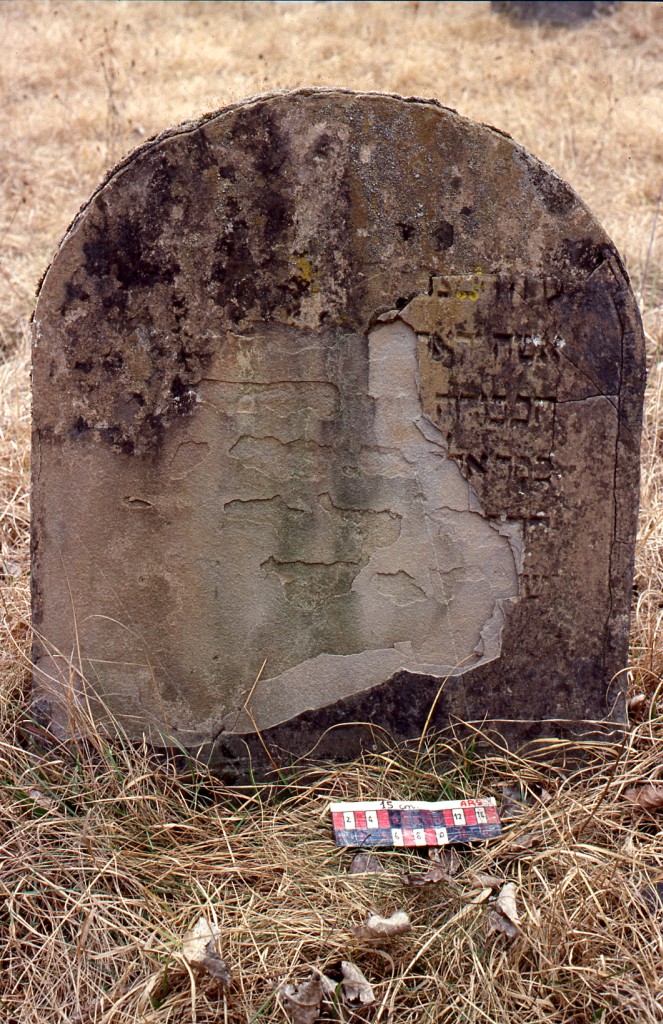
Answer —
339 392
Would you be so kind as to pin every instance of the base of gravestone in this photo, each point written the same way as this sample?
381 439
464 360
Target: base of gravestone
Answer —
562 13
375 724
566 746
378 721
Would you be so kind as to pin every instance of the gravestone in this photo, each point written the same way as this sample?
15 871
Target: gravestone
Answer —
337 404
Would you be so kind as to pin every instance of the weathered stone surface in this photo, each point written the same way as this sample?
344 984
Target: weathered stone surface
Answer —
351 384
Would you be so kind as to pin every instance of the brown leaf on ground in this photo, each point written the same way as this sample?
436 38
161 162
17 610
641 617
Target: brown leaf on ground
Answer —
523 843
636 704
353 991
302 1002
378 927
481 897
481 880
39 797
356 988
199 952
503 916
445 864
365 864
649 797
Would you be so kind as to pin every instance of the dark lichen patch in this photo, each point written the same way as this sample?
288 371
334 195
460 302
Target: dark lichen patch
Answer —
129 391
557 197
125 244
584 254
250 255
80 426
444 235
132 349
259 135
112 362
73 292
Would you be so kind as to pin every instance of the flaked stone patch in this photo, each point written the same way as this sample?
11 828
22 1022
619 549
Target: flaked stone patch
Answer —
367 574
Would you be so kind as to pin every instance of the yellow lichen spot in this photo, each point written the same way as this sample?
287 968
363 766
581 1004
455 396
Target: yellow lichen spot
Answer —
472 295
306 273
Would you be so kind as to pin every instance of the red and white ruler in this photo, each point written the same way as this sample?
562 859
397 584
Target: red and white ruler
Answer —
414 822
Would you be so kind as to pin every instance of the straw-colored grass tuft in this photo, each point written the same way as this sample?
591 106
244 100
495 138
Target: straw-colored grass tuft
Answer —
108 854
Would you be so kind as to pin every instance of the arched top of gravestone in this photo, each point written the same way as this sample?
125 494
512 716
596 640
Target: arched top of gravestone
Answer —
314 209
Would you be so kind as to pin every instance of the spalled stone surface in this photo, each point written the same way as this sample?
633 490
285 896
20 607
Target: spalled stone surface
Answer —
346 383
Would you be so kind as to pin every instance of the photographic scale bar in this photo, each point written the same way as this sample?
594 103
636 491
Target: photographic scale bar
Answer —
415 823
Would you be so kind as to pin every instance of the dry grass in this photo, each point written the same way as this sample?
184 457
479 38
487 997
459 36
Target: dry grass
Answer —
106 856
110 856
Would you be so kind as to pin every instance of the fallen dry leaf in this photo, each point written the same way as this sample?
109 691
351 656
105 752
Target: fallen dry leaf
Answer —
445 864
649 797
198 950
365 864
448 858
480 897
523 843
42 799
302 1002
355 987
503 916
636 704
481 880
378 927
